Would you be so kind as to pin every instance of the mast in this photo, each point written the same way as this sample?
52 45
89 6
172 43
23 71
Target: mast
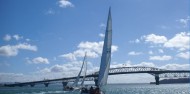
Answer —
78 77
106 53
85 70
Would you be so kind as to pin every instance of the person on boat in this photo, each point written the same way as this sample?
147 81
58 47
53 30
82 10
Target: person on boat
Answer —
84 90
91 90
97 90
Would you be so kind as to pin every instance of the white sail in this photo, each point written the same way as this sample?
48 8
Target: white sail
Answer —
106 53
85 70
75 84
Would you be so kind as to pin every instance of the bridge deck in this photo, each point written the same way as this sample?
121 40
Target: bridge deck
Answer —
115 71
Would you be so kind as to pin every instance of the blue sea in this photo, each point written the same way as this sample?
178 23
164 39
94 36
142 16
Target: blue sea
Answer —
109 89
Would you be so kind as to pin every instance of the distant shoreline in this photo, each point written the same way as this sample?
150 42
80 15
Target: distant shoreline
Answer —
173 81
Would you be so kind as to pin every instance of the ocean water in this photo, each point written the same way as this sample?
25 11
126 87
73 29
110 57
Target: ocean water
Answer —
109 89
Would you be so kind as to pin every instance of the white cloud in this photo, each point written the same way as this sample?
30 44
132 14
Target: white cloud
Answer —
176 66
102 25
65 3
58 68
17 37
93 49
184 21
164 27
160 51
154 38
50 12
27 39
10 77
161 58
150 52
7 37
129 64
68 69
101 35
26 46
135 41
180 41
134 53
184 55
145 64
13 50
40 60
8 50
71 69
69 56
37 60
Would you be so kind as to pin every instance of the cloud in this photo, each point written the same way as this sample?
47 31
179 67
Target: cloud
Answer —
40 60
68 69
134 53
7 37
37 60
102 35
50 12
93 49
150 52
160 51
10 77
168 66
152 38
135 41
184 55
69 56
13 50
176 66
71 69
160 58
102 26
129 64
17 37
164 27
27 39
184 21
180 41
174 42
65 3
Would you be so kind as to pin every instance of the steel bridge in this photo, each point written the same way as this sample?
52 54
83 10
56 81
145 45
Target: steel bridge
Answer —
156 72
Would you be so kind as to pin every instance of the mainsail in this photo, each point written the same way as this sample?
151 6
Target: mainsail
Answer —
85 70
75 84
106 53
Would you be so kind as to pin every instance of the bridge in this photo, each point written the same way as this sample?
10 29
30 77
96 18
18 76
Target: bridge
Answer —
156 72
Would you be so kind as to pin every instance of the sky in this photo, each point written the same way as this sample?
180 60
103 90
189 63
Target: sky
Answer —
48 38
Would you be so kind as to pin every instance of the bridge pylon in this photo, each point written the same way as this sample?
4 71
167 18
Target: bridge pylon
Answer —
96 81
46 84
157 79
64 83
32 84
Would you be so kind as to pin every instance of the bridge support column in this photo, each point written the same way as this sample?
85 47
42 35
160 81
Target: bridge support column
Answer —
32 84
96 81
157 79
64 84
46 84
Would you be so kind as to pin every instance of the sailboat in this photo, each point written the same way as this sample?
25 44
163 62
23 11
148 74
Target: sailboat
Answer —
106 54
105 59
75 85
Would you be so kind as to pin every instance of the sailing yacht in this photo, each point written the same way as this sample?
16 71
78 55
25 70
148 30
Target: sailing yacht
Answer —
75 86
105 59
